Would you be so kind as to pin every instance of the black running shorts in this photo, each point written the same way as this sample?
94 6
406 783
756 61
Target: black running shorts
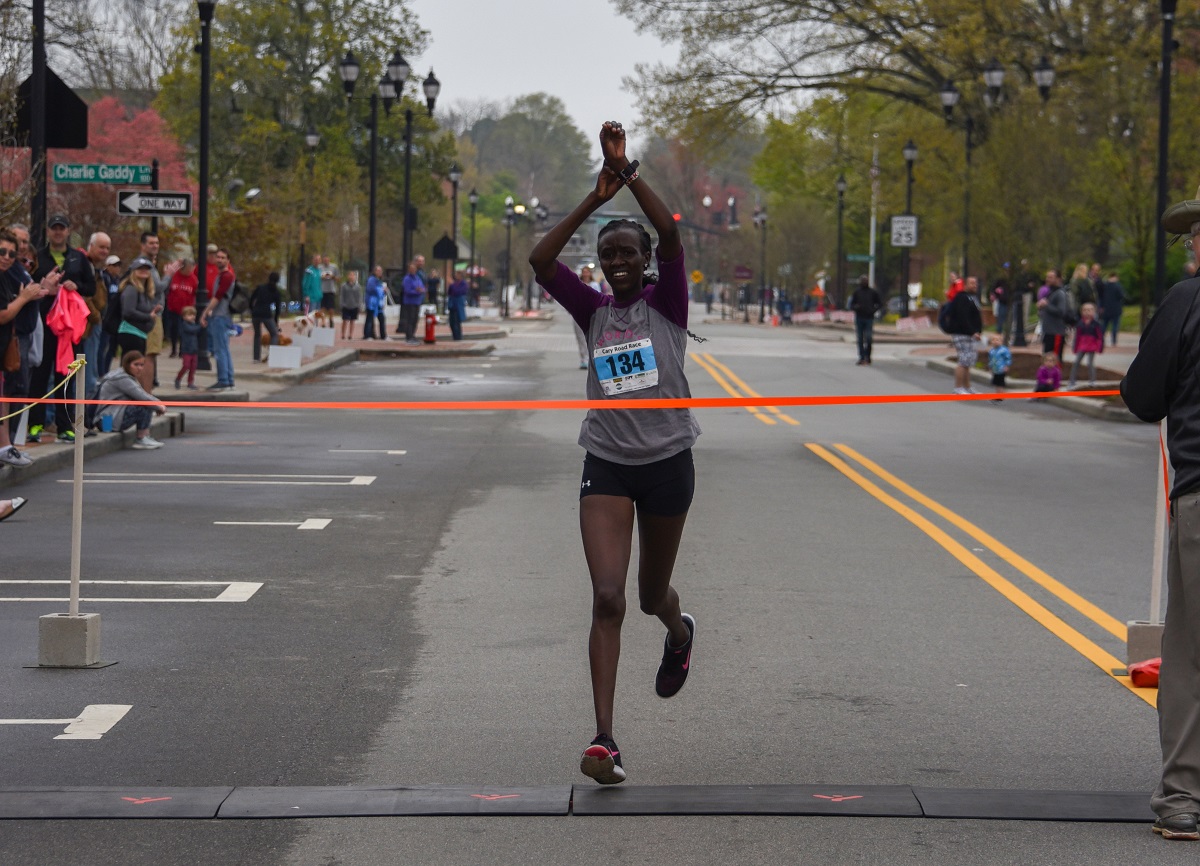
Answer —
664 488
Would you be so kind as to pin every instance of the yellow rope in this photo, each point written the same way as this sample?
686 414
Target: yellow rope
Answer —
74 368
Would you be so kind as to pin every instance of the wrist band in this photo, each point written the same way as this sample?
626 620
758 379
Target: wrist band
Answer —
629 173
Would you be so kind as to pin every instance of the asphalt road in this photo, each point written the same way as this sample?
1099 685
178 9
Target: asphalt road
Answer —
434 632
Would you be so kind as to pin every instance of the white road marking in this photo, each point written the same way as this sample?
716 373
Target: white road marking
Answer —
235 590
94 722
361 451
310 523
222 478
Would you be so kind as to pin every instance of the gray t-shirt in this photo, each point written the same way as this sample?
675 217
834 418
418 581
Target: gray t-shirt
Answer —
637 353
329 279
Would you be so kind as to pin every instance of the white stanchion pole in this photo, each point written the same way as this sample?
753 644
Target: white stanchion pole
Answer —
77 495
1161 534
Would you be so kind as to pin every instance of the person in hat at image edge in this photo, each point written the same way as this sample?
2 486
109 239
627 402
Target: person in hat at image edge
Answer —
1163 382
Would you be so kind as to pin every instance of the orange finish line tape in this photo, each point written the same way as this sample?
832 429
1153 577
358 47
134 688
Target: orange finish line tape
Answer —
544 405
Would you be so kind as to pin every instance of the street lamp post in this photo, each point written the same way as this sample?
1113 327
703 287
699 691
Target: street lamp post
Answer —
541 213
950 97
510 212
389 87
431 87
1164 150
473 198
910 156
312 138
454 176
760 221
206 8
839 270
993 78
713 271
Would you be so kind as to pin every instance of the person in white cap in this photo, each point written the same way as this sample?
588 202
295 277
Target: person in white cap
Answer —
1164 382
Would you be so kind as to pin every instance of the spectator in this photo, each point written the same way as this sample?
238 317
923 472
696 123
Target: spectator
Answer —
999 362
181 293
27 322
139 313
189 347
1089 339
432 283
350 297
1112 305
865 302
310 286
217 313
1081 291
1049 375
17 292
329 288
124 385
265 303
1054 314
456 304
376 301
581 339
1164 382
1000 302
162 283
76 275
99 247
964 324
410 301
112 313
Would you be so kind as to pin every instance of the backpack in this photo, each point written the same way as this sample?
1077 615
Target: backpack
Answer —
239 301
945 318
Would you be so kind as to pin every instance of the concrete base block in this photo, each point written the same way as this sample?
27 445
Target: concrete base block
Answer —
66 641
1144 641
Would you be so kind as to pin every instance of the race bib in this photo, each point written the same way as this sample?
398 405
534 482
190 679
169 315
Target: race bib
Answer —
626 367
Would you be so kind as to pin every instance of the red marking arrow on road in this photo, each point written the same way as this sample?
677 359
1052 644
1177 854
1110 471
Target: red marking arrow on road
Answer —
838 798
495 796
141 801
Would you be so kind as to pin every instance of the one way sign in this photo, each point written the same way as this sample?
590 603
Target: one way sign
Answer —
132 202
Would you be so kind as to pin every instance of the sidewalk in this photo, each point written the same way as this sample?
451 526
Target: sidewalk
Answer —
1114 359
253 382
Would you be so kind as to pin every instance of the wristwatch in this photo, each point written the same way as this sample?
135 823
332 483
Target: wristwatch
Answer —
630 172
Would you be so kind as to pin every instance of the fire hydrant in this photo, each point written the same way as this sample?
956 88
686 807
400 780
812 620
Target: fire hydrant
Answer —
430 325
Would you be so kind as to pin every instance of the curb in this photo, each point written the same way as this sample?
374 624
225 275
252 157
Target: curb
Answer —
1080 405
50 458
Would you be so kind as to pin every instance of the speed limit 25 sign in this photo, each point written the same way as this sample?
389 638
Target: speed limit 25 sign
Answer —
904 231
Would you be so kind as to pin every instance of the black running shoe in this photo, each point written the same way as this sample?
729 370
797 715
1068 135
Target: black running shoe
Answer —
673 671
602 761
1178 827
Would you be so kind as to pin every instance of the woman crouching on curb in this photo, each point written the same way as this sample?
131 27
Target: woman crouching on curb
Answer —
639 462
124 385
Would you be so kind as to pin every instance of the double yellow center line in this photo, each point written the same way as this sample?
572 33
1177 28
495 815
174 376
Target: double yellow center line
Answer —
1056 626
722 375
1083 645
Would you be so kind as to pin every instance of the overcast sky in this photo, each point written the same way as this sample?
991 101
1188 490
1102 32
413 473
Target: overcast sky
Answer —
577 51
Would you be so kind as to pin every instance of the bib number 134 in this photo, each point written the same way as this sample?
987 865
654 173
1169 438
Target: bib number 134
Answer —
625 363
626 367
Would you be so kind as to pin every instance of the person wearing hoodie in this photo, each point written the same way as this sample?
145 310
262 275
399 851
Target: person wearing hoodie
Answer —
123 385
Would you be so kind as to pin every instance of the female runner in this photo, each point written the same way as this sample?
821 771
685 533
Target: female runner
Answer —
638 461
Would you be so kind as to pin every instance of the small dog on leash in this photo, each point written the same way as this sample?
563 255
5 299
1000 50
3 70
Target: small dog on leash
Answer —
323 319
304 326
284 339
